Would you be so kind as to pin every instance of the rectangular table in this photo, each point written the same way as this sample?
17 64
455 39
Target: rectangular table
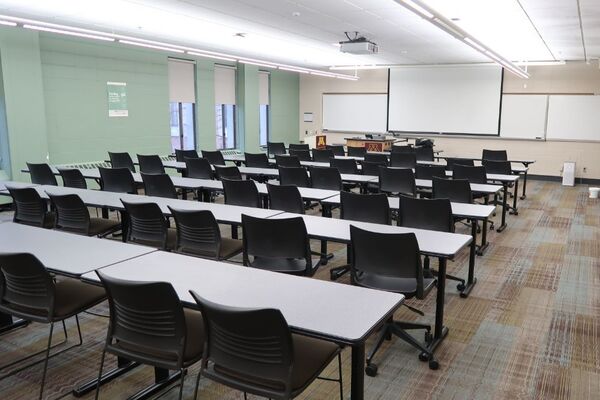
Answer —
339 313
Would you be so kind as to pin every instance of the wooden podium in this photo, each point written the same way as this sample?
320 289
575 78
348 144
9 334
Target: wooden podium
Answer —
371 144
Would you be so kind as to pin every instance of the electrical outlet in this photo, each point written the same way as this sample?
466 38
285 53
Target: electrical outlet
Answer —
584 170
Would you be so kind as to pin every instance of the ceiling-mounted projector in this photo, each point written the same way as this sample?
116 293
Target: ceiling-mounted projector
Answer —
358 45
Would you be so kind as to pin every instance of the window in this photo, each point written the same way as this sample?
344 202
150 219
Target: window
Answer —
225 107
182 100
263 100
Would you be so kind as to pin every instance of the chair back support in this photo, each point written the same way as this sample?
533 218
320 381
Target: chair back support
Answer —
472 174
397 180
424 153
72 177
150 164
338 149
430 214
41 174
285 198
241 193
121 160
146 223
373 208
299 146
452 161
303 155
214 157
181 155
275 148
198 168
326 178
29 207
287 161
429 171
322 155
159 185
296 176
455 190
231 173
344 165
494 155
403 160
71 213
377 158
497 167
357 151
371 168
197 232
118 180
257 160
402 149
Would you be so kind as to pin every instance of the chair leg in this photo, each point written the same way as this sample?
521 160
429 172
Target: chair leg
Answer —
46 360
100 373
197 385
385 331
341 382
181 384
426 355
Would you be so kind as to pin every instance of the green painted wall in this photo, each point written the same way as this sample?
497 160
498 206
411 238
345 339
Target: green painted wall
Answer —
205 105
248 108
284 106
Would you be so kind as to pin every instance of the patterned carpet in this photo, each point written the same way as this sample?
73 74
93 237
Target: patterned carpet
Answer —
529 330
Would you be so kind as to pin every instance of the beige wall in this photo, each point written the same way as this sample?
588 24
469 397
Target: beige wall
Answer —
574 77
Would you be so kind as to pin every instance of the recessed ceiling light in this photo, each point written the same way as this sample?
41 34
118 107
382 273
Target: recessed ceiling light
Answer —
240 34
455 19
296 14
403 51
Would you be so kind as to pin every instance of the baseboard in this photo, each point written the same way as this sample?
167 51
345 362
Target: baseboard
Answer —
579 181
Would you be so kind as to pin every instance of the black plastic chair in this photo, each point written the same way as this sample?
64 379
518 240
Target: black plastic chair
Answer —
456 190
299 146
397 181
345 165
241 193
198 168
254 351
275 148
72 215
472 174
232 173
402 149
148 325
257 160
198 234
41 174
30 208
338 149
357 151
159 185
73 178
29 291
147 225
403 160
285 198
287 161
371 168
325 178
322 155
377 158
452 161
392 262
296 176
118 180
278 245
150 164
121 160
214 157
181 155
497 167
424 153
427 172
303 155
494 155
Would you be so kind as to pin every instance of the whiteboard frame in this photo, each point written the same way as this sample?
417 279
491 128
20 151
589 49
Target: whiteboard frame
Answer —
349 93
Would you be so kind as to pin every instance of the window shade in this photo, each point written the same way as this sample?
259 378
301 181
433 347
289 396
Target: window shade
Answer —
263 88
224 85
181 82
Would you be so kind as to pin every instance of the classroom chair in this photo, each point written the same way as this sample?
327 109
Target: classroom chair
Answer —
41 174
275 148
424 153
214 157
30 208
338 149
159 185
299 146
402 149
121 160
452 161
345 165
181 155
325 178
241 193
303 155
147 225
73 178
322 155
231 172
494 155
150 164
377 158
72 215
118 180
285 198
397 181
357 151
296 176
403 160
198 168
287 161
257 160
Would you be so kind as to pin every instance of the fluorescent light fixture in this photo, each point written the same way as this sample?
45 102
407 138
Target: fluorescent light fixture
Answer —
193 53
291 69
358 67
539 63
418 9
150 46
8 23
259 64
474 44
347 77
63 32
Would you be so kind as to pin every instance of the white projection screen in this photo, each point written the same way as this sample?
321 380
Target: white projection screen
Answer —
459 100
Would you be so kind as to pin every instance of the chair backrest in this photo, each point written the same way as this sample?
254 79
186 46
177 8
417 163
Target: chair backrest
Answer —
197 232
41 174
373 208
287 161
303 155
430 214
253 345
397 181
232 173
30 208
371 168
455 190
452 161
497 167
424 153
296 176
241 193
429 171
146 224
150 164
356 151
344 165
402 149
275 148
326 178
147 317
472 174
159 185
71 213
119 180
121 160
285 198
214 157
284 238
403 160
299 146
494 155
198 168
257 160
72 177
25 286
322 155
377 158
387 255
181 155
338 149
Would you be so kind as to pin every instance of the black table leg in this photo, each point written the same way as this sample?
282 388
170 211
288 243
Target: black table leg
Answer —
123 366
504 207
325 212
514 210
357 388
484 243
524 196
7 323
471 280
440 331
124 225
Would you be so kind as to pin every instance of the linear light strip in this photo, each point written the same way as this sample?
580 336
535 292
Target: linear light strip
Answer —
8 23
63 32
151 46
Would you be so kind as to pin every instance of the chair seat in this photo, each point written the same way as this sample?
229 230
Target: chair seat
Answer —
285 265
99 226
230 247
406 286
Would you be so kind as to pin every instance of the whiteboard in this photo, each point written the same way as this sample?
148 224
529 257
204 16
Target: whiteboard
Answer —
524 116
353 112
573 117
449 99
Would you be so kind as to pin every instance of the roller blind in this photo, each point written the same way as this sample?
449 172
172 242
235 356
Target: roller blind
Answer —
181 82
224 85
263 88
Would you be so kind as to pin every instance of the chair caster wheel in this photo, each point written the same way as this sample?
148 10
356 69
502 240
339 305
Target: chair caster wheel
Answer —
428 337
371 370
424 357
460 287
433 364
